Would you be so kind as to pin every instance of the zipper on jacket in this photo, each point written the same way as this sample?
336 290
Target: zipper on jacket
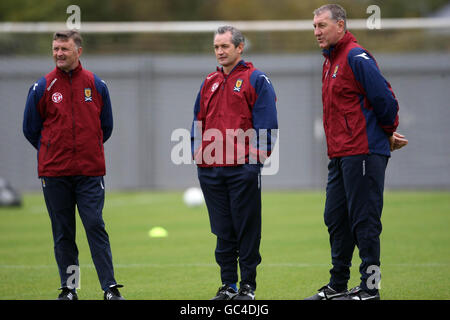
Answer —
224 82
226 76
73 113
327 115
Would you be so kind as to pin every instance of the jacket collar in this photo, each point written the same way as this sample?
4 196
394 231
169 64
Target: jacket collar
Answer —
71 73
240 65
346 39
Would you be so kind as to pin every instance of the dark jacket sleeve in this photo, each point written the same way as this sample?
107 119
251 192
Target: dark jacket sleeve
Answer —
377 89
106 116
264 116
196 132
32 120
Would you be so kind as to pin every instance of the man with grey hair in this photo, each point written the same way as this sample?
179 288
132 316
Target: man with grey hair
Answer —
67 119
335 12
236 35
236 101
360 116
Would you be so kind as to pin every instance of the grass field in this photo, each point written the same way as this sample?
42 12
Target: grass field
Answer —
415 248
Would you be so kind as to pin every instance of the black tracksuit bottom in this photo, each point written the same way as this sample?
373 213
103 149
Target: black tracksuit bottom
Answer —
62 195
233 199
354 201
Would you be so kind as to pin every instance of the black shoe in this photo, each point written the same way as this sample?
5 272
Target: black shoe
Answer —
113 293
67 294
245 293
359 294
327 293
225 292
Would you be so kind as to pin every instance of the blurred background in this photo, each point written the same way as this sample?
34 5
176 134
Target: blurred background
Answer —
154 77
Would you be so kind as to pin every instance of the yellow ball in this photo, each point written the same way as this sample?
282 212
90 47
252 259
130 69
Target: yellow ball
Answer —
158 232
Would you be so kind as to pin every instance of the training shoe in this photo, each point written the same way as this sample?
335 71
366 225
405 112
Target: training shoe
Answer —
225 292
67 294
359 294
245 293
113 293
327 293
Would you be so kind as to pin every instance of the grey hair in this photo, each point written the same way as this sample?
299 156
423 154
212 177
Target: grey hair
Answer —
236 36
65 35
336 11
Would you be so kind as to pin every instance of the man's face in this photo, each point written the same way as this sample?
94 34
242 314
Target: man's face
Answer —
66 54
327 31
227 54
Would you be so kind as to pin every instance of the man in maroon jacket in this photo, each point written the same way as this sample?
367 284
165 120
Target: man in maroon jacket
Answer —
360 116
67 119
233 132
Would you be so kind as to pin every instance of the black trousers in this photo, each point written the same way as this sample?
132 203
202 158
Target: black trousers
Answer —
354 202
233 199
62 195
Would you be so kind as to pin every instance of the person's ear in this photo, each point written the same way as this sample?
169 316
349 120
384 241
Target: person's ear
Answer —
341 26
241 48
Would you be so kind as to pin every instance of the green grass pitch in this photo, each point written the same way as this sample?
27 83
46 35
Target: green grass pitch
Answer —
415 248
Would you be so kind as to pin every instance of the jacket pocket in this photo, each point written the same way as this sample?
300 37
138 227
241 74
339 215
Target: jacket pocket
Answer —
47 150
100 141
45 147
245 122
100 144
347 125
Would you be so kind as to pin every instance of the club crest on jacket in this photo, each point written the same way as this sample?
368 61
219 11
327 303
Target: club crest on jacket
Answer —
238 85
87 95
335 71
57 97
